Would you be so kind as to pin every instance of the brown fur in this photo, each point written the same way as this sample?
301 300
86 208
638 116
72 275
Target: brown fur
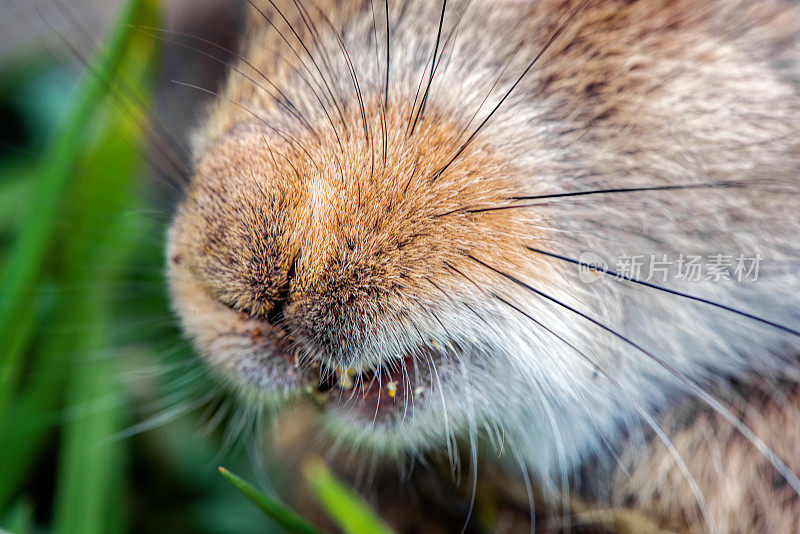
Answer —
383 225
743 492
650 494
347 245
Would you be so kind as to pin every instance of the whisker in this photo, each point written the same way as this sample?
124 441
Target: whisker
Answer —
308 21
386 86
377 67
283 135
305 67
351 69
299 40
779 465
473 460
434 63
163 131
123 96
378 374
485 98
680 462
526 478
284 101
533 62
161 419
619 190
622 276
432 60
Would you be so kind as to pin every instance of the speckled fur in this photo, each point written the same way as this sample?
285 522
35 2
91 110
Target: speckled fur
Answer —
375 246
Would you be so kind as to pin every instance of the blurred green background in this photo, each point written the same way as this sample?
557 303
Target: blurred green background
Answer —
106 424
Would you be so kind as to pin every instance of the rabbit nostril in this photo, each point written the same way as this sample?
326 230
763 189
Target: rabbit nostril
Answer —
276 315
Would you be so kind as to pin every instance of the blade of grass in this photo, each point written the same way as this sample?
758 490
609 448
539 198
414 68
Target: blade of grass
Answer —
32 417
99 211
35 413
19 519
14 187
284 517
27 256
347 509
91 480
90 188
90 466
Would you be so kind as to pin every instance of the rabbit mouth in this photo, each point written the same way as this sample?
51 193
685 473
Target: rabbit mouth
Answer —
393 390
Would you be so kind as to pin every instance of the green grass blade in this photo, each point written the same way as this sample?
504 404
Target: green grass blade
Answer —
25 261
19 519
100 213
287 519
88 187
14 187
347 509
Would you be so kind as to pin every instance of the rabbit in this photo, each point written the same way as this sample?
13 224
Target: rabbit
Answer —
555 239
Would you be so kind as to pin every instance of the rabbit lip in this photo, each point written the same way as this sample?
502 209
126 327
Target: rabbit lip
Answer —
392 388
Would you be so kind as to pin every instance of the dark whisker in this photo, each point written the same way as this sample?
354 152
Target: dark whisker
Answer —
283 135
285 158
648 419
434 63
305 66
779 465
284 101
311 56
377 69
505 97
386 85
352 70
315 37
707 185
302 43
485 98
622 276
416 95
